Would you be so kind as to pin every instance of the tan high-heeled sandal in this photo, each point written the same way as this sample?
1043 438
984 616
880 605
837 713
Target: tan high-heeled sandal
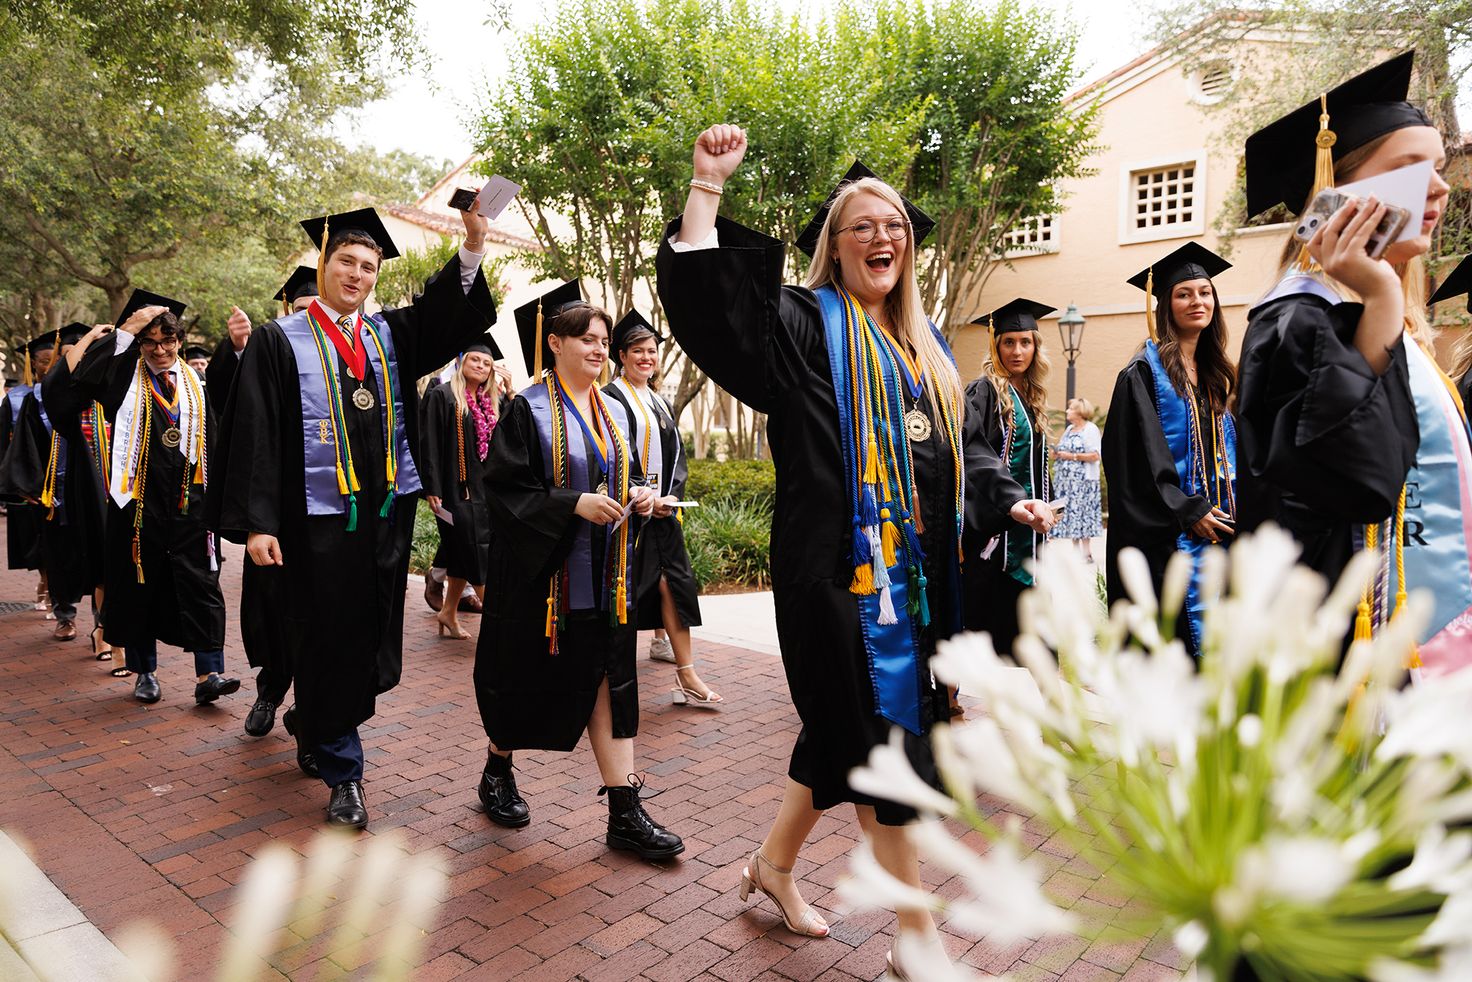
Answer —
445 629
809 924
680 695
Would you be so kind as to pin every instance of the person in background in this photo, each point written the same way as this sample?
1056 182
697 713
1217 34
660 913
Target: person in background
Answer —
22 520
1076 477
197 357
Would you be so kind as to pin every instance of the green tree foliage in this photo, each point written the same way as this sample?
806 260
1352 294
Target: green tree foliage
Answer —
176 145
404 277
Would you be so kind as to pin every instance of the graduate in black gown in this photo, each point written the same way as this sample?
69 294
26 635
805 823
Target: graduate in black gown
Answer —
855 630
1325 410
262 630
34 471
457 418
1169 448
317 475
668 596
23 520
556 652
1458 283
1009 405
160 563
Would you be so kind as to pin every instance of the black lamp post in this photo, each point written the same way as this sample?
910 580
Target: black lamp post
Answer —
1071 331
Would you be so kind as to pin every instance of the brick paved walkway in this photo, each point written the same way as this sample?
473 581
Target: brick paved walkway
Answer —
151 813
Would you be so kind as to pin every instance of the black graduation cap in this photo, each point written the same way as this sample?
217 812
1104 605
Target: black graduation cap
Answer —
1015 315
74 332
1190 262
529 327
142 298
1281 156
486 345
195 351
1457 282
45 341
920 223
364 220
301 283
632 327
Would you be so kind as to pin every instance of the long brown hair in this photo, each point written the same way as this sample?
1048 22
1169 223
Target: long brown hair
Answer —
1032 388
1216 376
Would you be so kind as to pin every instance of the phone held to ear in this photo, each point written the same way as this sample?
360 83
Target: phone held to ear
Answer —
1330 200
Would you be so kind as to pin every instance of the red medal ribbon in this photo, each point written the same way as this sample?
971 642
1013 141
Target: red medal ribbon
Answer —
351 355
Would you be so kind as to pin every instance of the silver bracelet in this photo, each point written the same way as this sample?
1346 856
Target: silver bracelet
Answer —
715 189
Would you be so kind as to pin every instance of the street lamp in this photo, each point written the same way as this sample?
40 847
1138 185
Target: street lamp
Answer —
1071 331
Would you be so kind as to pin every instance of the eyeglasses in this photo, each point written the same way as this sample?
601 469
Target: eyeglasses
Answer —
159 343
864 232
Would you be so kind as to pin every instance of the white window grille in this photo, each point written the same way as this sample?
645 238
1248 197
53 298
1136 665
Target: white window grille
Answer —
1163 198
1030 236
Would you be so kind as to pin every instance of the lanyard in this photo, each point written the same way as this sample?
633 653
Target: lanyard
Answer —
352 355
595 439
169 407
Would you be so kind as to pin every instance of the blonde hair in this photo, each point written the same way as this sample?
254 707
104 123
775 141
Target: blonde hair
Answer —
903 306
1085 407
457 382
1412 272
1032 388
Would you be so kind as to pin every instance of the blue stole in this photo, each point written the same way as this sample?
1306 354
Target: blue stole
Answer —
1438 519
1179 422
579 564
15 397
319 454
892 650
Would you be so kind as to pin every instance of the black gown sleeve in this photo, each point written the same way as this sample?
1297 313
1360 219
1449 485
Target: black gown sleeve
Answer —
245 475
1315 419
533 524
436 416
991 490
440 322
62 399
23 466
1145 494
674 452
104 373
730 313
1464 389
219 374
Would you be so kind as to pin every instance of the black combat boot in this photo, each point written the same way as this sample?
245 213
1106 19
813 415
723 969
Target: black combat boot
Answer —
503 804
630 827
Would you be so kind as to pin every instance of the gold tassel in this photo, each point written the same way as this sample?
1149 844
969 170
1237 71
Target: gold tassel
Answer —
537 357
863 583
1150 293
1364 629
1323 173
321 258
27 376
551 613
622 599
871 461
889 537
1413 657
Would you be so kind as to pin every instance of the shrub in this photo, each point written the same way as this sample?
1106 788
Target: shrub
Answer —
730 543
426 540
714 482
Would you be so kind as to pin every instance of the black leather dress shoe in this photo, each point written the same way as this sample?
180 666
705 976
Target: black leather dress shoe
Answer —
504 805
145 687
346 807
213 687
261 718
631 828
304 757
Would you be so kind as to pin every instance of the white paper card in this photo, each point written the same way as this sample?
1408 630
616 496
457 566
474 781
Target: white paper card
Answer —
496 195
1404 187
443 515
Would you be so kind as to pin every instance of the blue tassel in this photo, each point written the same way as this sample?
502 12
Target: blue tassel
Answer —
868 507
912 543
862 555
352 513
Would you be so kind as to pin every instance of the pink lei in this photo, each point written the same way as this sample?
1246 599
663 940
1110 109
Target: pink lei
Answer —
483 412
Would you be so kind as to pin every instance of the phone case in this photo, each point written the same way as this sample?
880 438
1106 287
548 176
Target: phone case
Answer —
1329 201
462 199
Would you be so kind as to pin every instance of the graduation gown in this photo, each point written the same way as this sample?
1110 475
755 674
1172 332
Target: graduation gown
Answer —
991 592
339 595
22 520
764 343
464 546
530 699
1324 442
262 630
1148 508
179 601
660 550
83 480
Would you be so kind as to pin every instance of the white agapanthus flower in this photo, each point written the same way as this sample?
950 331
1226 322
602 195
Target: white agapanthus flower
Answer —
888 775
1303 868
1440 862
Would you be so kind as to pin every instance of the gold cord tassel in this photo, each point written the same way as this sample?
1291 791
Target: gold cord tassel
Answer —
537 357
1364 628
26 374
1323 173
321 259
1413 657
1149 293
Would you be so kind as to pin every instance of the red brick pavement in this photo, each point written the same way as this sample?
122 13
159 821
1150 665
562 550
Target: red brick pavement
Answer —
151 812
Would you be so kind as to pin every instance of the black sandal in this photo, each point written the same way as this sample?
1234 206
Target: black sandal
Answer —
120 672
106 653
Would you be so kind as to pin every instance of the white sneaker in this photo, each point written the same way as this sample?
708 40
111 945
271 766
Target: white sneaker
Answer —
660 650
